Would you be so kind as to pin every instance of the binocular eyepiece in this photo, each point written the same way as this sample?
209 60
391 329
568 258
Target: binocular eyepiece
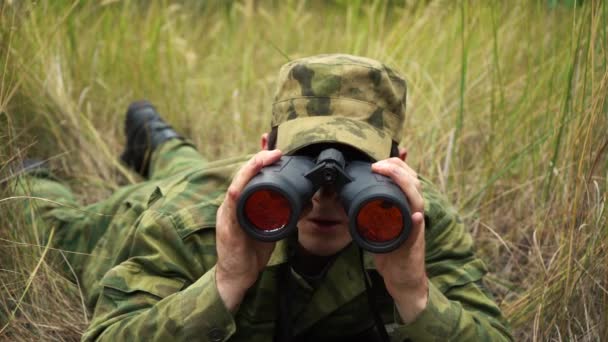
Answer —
271 203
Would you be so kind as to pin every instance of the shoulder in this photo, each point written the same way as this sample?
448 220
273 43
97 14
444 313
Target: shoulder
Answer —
436 203
444 228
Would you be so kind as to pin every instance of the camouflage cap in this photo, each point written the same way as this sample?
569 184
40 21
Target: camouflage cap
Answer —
339 98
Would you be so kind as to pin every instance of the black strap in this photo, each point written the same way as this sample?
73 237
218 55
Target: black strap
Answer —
372 303
285 287
283 326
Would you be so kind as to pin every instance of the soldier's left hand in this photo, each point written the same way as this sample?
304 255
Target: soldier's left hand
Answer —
403 269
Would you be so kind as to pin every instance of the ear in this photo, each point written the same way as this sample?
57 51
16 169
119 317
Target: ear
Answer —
402 153
264 141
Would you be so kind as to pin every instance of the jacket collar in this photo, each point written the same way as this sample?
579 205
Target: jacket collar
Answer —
342 283
280 255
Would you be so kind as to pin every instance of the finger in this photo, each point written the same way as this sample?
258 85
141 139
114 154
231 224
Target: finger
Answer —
250 169
263 252
417 218
400 163
243 176
412 251
409 185
226 227
415 242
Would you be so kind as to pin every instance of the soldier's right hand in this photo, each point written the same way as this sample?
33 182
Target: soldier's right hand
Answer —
240 258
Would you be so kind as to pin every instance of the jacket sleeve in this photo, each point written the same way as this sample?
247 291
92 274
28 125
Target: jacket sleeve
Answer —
459 307
143 297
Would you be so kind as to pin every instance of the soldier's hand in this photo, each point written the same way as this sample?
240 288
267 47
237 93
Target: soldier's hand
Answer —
403 269
240 258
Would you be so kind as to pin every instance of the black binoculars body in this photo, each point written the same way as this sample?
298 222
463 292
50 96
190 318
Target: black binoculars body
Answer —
271 203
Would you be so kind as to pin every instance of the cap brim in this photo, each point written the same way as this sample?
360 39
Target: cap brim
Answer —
301 132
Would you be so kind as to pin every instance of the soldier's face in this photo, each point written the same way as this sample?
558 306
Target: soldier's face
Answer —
323 227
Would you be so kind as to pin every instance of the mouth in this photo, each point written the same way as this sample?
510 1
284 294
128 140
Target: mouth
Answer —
325 224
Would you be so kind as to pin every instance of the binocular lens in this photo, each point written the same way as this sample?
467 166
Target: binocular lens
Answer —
268 210
379 220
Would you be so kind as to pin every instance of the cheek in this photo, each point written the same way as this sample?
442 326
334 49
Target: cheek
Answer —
343 238
306 209
345 231
343 214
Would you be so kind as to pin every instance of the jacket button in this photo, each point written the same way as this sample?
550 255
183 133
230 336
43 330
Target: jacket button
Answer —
216 335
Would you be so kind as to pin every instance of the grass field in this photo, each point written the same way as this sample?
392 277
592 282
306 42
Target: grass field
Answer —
506 112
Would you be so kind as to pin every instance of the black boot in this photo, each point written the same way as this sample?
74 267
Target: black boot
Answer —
29 166
145 131
36 167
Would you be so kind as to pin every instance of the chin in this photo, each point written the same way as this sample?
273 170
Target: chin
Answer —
323 245
322 250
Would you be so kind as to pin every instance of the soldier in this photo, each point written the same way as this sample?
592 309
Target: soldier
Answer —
170 261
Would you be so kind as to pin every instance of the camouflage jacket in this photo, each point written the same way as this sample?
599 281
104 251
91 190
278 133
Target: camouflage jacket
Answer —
152 276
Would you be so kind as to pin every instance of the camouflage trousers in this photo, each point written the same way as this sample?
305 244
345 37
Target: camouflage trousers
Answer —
76 229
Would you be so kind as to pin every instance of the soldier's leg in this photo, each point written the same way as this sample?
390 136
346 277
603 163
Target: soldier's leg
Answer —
40 196
174 156
53 211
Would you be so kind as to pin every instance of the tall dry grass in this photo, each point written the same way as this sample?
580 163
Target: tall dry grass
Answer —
506 112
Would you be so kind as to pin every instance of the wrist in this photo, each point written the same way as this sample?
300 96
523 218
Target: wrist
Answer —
230 292
413 302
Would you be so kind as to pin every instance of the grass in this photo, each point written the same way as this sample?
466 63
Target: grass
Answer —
507 113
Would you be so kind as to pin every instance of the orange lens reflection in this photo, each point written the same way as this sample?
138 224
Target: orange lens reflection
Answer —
268 210
379 221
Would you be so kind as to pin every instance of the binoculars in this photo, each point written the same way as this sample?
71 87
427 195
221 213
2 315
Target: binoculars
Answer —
271 204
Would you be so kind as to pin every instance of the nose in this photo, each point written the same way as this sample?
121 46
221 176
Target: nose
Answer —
326 193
